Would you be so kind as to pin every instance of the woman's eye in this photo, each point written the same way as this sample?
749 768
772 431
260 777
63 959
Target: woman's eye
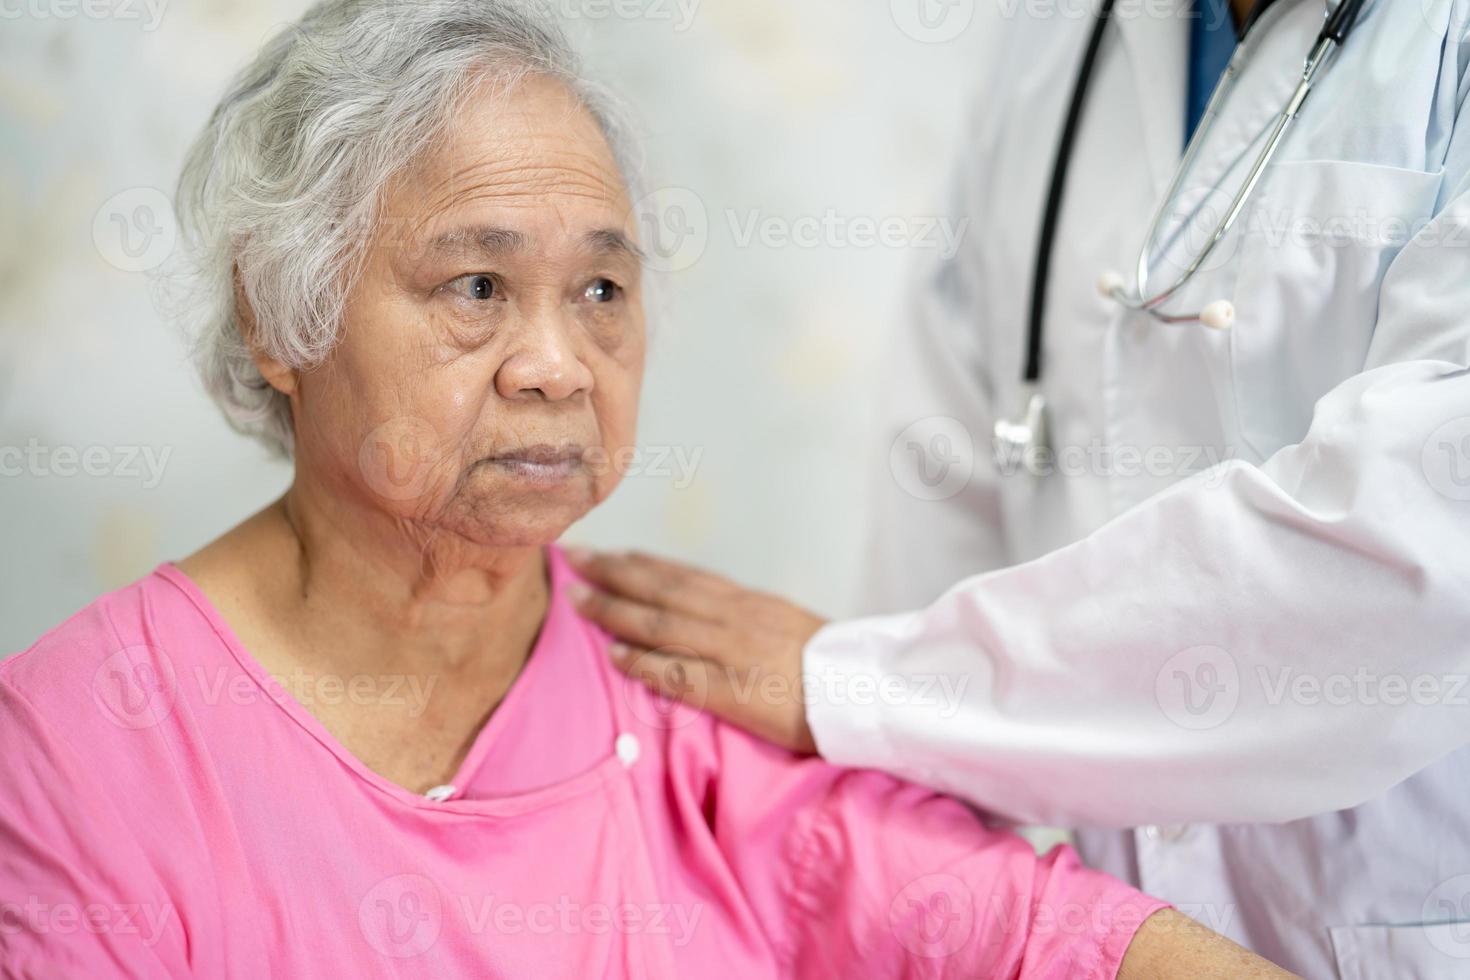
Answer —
601 291
476 287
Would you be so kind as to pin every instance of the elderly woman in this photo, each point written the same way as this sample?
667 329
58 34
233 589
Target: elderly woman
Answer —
365 732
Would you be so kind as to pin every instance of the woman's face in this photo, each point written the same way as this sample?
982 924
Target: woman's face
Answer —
489 365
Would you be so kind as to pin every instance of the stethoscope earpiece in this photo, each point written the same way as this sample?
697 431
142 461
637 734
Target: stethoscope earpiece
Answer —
1219 315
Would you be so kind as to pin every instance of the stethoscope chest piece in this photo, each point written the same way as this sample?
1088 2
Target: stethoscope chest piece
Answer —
1023 440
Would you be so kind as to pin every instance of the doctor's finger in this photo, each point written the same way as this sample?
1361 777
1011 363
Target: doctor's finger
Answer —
644 625
768 711
655 581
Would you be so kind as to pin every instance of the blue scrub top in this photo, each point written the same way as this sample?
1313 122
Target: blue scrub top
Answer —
1211 43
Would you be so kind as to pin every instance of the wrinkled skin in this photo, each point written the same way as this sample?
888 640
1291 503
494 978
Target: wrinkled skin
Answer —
498 311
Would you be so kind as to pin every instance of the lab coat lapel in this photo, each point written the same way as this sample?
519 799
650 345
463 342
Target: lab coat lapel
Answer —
1155 42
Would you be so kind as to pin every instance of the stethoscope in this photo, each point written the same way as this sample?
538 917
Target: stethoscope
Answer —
1025 439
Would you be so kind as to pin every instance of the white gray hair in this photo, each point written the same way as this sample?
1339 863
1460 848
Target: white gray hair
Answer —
281 191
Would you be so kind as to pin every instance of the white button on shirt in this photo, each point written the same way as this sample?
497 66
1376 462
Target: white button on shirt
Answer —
627 748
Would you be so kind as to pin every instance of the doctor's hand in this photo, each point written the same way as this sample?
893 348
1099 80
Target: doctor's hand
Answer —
701 639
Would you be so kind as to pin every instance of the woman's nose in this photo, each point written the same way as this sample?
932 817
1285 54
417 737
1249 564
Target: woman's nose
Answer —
543 363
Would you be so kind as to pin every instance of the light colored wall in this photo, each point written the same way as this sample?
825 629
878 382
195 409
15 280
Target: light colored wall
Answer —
765 362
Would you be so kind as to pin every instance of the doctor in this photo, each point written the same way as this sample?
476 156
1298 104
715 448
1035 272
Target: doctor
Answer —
1215 583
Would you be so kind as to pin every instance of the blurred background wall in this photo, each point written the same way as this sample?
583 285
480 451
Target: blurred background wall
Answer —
783 137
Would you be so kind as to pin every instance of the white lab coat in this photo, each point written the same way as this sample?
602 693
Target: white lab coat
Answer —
1205 656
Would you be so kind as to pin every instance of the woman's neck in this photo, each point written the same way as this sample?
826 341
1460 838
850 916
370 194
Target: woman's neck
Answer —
330 590
320 594
412 596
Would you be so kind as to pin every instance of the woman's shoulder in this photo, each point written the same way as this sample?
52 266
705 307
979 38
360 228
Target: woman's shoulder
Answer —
109 662
99 719
94 802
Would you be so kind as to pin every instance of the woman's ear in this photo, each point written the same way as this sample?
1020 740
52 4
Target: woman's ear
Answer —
276 374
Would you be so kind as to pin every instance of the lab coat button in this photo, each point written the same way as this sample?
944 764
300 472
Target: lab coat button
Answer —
1169 835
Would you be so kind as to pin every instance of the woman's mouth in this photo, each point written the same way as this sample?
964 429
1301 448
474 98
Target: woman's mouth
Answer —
543 464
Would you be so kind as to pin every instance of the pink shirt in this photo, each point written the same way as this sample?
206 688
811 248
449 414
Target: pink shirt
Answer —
167 811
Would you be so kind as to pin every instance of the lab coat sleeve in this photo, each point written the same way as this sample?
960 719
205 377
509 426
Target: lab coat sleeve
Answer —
1256 643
